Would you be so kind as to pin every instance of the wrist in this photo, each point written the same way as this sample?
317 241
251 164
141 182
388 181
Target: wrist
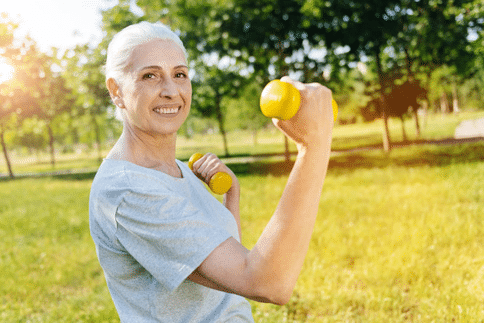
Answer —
234 190
316 145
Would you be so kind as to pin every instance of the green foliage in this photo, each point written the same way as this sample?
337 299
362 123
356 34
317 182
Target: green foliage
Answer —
91 118
32 134
15 96
117 18
244 112
472 92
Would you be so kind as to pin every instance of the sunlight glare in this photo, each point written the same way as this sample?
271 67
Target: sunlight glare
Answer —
6 71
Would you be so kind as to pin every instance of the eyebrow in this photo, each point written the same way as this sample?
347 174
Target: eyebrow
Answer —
157 67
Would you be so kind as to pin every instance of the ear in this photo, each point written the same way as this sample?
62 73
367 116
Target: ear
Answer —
115 92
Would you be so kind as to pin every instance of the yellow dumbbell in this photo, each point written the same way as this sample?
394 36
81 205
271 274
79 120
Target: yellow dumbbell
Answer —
219 183
281 100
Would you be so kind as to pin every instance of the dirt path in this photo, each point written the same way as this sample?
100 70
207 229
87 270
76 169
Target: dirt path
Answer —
470 129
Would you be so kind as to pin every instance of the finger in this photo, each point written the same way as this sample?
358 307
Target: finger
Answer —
213 166
196 166
202 169
287 79
298 85
208 162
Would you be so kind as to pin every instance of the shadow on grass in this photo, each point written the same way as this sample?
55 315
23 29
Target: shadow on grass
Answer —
68 176
411 156
274 168
89 176
407 156
345 143
404 156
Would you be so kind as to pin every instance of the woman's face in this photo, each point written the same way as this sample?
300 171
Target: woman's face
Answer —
157 91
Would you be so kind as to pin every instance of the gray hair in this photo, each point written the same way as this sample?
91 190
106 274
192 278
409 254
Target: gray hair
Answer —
124 42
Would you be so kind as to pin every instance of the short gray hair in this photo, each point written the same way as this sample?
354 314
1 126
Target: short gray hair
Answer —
124 42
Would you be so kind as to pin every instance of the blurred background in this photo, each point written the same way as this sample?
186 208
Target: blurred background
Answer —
386 61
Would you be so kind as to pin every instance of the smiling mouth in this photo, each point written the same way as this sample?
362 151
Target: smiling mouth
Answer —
167 111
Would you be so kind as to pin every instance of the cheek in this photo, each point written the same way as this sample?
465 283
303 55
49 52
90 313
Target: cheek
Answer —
142 94
187 95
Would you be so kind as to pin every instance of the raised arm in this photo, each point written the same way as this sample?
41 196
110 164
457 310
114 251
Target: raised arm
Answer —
270 270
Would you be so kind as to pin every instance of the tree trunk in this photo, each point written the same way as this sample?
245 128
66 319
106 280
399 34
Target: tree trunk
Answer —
444 105
5 153
287 153
404 133
417 124
455 99
221 123
97 138
51 145
386 131
412 79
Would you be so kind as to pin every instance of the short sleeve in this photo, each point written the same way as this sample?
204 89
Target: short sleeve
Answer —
166 234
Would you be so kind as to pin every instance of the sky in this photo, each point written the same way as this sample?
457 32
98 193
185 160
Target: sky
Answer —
58 23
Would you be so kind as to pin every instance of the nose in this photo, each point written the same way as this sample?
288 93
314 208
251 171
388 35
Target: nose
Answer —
168 88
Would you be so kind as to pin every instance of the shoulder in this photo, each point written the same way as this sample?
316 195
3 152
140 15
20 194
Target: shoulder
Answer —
119 174
117 179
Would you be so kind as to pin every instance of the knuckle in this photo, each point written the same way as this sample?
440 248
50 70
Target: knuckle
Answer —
286 79
211 157
321 89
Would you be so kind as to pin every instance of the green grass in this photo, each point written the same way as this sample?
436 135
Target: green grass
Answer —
48 264
399 239
399 236
392 243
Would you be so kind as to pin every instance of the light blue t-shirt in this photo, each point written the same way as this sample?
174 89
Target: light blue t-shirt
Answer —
151 231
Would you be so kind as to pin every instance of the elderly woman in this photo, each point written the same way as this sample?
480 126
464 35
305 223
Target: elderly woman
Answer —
170 251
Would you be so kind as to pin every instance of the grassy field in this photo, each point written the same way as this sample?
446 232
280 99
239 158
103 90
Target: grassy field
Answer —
393 243
399 239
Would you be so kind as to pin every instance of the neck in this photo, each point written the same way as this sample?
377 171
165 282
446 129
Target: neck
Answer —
147 150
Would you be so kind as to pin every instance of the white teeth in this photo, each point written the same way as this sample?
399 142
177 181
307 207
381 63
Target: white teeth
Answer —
166 110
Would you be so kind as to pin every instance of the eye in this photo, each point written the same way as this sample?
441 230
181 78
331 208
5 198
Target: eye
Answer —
148 76
181 75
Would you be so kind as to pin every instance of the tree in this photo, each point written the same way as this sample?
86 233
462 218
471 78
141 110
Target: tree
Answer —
14 98
362 29
11 100
435 35
210 86
85 78
241 112
31 135
401 37
272 37
51 93
402 98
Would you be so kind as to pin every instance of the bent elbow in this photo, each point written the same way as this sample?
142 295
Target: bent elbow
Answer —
281 299
277 295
